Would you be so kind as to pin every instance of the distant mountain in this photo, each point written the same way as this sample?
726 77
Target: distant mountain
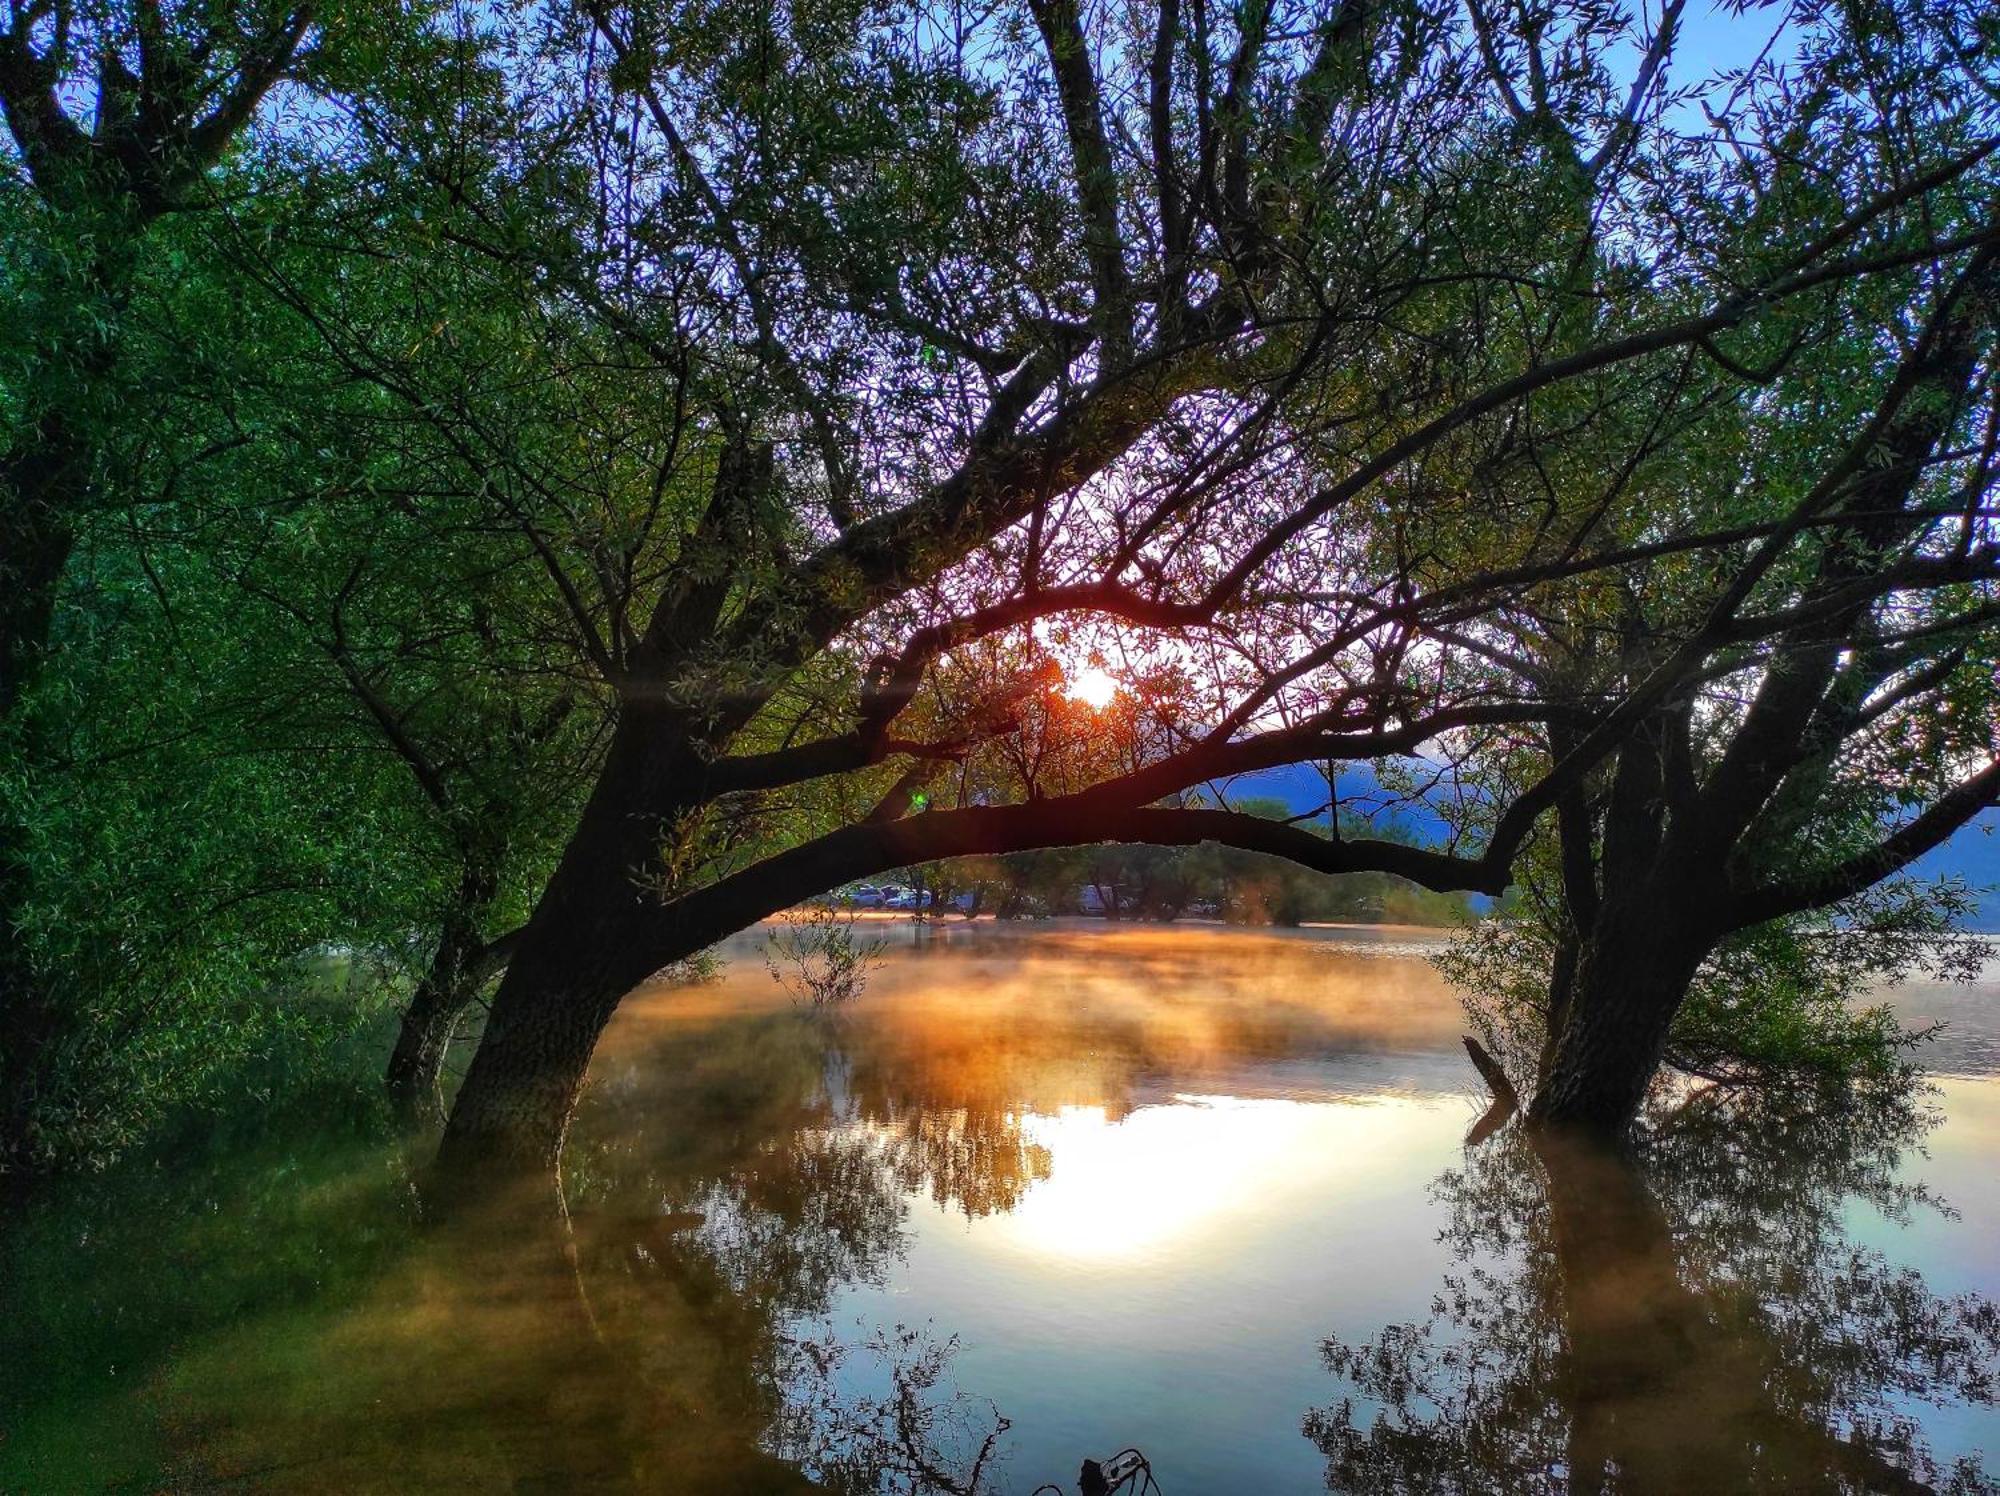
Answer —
1973 854
1303 789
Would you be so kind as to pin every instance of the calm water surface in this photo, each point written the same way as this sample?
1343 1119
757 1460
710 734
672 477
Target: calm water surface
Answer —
1043 1193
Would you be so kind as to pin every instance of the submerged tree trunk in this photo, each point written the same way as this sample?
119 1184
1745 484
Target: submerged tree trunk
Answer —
560 990
1629 979
1636 904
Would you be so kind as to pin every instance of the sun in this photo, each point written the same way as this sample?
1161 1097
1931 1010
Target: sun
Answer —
1093 687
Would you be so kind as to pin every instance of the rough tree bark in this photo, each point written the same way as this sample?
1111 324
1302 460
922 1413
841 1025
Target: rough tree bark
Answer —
1629 982
589 941
462 964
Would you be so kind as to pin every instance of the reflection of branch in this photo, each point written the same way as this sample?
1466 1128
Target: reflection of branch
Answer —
865 1443
1490 1121
912 1437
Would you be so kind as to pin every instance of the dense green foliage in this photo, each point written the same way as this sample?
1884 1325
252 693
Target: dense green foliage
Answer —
300 708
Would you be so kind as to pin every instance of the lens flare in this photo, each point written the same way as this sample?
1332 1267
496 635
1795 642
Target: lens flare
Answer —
1092 687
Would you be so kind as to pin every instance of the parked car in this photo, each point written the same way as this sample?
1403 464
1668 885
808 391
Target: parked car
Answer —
866 896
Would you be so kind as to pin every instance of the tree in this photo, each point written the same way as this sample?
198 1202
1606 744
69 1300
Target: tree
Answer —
802 394
1756 785
1753 733
394 618
119 124
1173 282
439 672
170 93
203 915
1163 883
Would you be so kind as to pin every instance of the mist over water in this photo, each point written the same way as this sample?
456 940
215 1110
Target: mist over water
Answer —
1041 1193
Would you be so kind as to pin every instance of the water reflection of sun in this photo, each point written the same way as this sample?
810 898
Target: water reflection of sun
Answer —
1166 1181
1091 686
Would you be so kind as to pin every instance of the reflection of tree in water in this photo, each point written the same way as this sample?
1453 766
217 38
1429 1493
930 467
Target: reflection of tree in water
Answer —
914 1436
738 1165
978 1162
717 1219
1701 1321
967 1150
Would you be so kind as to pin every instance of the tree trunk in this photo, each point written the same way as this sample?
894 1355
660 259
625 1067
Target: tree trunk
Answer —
592 938
40 488
47 480
415 1077
38 499
46 485
1631 975
459 968
1562 985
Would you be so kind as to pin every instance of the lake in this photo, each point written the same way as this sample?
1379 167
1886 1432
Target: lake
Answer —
1043 1193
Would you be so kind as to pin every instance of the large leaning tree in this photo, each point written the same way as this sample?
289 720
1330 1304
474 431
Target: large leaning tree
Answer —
992 343
761 411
